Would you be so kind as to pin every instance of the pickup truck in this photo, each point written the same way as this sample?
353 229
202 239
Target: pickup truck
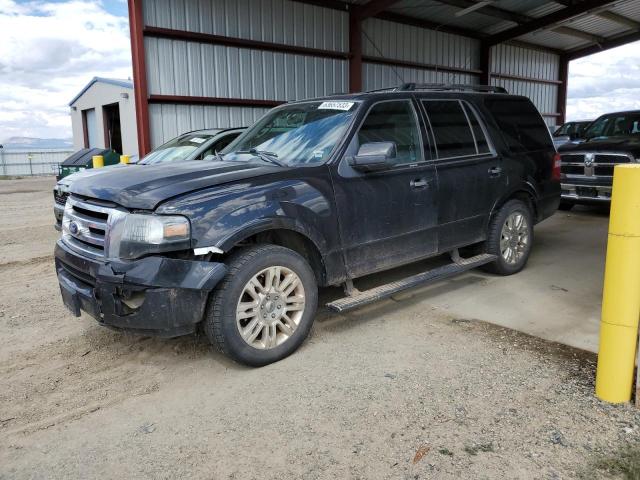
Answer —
316 193
587 166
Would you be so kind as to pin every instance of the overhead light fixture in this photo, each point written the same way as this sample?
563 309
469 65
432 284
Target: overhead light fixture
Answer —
473 8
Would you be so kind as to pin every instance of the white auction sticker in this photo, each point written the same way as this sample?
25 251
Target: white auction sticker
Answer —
198 140
336 106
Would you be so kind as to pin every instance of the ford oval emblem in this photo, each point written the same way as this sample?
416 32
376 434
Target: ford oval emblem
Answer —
73 228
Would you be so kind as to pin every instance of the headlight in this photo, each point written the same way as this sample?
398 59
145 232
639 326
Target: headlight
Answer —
135 235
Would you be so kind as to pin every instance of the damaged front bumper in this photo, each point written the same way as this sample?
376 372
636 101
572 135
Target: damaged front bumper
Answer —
154 295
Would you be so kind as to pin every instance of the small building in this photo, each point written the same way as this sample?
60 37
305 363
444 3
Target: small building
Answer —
103 115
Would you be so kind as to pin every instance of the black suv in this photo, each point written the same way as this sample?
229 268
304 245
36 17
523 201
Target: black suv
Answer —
316 193
587 167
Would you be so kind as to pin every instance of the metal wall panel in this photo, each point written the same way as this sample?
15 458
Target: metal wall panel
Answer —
404 42
382 76
278 21
168 121
524 62
177 67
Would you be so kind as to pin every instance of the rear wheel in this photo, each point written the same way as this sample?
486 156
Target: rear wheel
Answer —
510 238
264 308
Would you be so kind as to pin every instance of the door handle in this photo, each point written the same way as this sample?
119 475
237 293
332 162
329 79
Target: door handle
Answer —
495 171
418 183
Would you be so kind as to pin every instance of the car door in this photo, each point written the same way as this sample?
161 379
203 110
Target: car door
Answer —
470 177
387 217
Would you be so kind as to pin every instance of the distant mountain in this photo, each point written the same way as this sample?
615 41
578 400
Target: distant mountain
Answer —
22 143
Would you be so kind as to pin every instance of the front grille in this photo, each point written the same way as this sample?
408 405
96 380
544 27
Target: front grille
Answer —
592 164
85 226
60 197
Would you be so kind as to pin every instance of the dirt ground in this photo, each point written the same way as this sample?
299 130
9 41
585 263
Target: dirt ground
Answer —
399 389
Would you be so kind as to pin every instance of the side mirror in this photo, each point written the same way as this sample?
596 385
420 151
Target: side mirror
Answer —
374 156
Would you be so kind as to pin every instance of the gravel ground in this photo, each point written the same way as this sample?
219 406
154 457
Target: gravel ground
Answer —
399 389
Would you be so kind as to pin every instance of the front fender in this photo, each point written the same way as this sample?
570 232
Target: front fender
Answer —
223 217
236 232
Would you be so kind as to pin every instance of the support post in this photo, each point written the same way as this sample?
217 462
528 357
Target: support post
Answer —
140 90
561 101
355 53
621 295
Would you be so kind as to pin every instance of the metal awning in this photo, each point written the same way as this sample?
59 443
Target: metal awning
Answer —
574 28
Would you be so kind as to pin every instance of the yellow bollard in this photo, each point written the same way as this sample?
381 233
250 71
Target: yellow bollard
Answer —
98 161
621 295
124 159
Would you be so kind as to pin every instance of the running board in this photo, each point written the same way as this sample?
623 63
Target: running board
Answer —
359 299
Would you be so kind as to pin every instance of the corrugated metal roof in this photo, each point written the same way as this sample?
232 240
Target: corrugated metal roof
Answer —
588 28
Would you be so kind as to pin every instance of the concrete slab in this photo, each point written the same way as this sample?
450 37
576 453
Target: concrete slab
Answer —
557 297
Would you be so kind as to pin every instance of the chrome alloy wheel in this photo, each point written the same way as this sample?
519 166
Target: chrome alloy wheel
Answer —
270 307
514 239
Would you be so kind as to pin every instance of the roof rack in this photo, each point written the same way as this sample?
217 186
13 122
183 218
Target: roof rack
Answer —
450 86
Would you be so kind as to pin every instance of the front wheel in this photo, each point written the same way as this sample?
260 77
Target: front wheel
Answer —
264 308
510 238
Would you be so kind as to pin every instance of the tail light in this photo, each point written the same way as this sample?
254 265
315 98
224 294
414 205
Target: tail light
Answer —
555 168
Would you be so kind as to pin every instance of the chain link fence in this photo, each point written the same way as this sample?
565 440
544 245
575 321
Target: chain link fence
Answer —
20 163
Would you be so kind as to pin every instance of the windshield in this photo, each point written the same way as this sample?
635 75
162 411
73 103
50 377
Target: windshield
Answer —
575 129
294 135
177 149
618 124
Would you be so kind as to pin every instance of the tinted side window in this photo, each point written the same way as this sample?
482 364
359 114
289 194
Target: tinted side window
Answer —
522 127
393 121
450 127
478 132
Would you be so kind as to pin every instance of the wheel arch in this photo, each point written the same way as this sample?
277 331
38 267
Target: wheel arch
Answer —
288 235
526 193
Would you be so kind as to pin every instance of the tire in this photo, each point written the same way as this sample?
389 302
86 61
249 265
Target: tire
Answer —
278 326
520 239
566 206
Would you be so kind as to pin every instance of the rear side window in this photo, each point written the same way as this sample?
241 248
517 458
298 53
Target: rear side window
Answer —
520 123
450 127
478 132
456 128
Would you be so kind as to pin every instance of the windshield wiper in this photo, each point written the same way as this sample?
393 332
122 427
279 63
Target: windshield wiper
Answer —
270 157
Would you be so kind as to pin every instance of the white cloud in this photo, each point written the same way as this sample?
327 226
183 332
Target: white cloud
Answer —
604 82
48 52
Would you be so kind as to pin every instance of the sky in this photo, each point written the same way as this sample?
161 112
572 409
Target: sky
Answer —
50 49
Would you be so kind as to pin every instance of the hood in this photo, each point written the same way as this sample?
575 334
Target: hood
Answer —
89 172
146 186
605 144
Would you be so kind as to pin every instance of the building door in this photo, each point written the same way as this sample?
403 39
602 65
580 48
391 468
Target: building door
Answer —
112 132
89 128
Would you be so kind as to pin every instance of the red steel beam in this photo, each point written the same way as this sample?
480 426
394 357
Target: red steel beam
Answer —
235 102
561 100
140 89
355 52
241 43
